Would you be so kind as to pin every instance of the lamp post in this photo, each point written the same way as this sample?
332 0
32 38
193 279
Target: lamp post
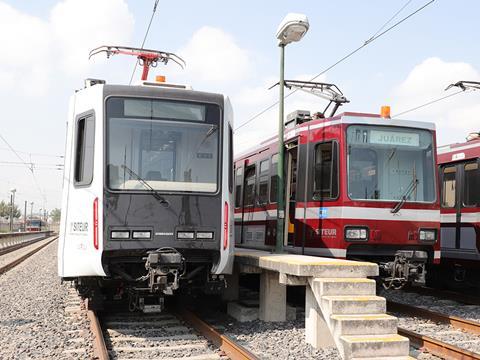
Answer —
292 28
12 204
31 212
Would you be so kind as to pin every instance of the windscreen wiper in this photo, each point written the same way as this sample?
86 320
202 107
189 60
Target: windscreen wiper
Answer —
146 184
413 185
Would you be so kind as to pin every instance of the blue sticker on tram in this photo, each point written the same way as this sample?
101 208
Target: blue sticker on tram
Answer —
323 213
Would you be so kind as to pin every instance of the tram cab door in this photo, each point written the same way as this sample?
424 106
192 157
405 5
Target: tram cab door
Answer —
291 158
460 194
249 196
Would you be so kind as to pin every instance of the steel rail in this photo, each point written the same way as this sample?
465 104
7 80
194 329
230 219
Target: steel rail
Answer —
437 347
11 248
232 349
21 259
446 294
100 350
470 326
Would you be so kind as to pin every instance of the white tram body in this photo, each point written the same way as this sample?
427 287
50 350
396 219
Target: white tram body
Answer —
147 190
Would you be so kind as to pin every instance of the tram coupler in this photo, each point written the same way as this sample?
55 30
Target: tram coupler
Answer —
408 267
164 266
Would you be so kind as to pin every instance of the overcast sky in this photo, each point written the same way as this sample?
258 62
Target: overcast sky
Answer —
230 48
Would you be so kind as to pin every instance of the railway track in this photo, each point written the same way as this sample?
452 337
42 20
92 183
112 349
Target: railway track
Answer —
167 335
432 342
19 259
11 248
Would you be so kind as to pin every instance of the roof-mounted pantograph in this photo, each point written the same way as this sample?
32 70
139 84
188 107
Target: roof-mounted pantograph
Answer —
326 91
146 58
464 85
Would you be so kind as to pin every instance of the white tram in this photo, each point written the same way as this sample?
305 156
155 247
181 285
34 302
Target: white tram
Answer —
147 191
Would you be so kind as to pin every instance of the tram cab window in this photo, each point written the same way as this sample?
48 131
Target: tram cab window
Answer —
170 145
249 197
363 174
263 182
471 195
274 178
84 151
325 171
449 186
238 186
390 163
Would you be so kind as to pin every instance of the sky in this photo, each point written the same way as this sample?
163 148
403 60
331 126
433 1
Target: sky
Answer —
229 48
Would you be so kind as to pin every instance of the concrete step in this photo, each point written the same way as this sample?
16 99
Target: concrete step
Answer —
352 305
365 324
344 286
375 345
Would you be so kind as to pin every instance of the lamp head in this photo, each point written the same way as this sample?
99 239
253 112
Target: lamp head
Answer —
292 28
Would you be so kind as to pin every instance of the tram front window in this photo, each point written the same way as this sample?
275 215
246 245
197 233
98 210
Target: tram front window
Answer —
386 163
171 146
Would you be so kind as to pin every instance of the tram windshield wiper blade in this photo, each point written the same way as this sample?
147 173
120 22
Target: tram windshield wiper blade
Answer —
413 185
146 184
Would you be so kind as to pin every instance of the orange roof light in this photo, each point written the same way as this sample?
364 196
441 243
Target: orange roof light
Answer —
385 112
160 78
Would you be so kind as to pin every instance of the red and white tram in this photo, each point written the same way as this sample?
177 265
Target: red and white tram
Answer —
460 209
358 186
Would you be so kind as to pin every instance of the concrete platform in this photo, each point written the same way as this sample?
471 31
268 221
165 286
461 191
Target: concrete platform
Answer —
302 265
341 306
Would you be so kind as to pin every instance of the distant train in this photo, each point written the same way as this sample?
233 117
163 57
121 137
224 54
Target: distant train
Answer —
460 211
35 225
358 186
148 190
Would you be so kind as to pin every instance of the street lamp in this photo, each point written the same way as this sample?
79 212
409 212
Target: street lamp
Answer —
12 204
292 28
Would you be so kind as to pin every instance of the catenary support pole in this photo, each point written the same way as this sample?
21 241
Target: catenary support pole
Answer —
281 158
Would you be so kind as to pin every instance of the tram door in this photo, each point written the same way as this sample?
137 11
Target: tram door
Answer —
291 157
249 195
460 196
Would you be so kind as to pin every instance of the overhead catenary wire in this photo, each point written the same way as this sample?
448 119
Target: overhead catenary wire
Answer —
144 39
35 154
351 53
429 103
25 164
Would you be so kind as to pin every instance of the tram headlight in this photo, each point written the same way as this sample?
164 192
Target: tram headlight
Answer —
185 235
356 234
207 235
141 234
427 235
120 234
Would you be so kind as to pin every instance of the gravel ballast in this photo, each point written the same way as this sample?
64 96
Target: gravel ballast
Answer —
33 321
285 340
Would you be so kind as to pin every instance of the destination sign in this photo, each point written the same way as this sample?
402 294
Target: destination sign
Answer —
394 138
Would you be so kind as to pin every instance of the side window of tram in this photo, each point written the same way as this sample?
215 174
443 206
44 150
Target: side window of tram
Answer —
263 182
274 179
249 197
238 187
471 195
449 185
84 150
230 159
325 171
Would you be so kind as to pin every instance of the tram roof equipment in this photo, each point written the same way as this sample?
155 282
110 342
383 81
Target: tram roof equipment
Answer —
146 57
464 85
326 91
